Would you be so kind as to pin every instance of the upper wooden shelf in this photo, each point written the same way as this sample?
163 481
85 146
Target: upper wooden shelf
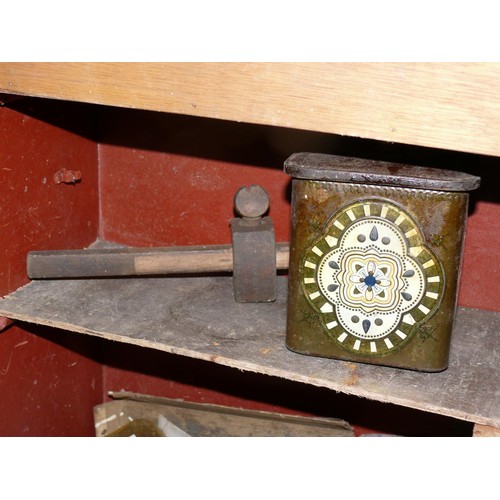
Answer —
453 106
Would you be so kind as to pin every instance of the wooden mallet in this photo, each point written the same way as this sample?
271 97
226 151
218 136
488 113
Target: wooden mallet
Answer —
254 257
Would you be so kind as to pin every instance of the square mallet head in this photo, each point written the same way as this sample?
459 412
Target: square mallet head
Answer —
254 247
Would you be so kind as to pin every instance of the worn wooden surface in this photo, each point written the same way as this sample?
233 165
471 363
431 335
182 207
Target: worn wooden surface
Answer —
207 420
443 105
99 263
486 431
198 317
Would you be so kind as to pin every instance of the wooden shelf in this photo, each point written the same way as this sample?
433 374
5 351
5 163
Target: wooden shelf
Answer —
452 106
198 318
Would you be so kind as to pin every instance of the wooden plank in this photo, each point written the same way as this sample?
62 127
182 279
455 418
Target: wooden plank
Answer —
198 317
208 420
452 106
485 431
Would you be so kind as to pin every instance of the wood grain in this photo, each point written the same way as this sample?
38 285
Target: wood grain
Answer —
452 106
485 431
138 261
198 318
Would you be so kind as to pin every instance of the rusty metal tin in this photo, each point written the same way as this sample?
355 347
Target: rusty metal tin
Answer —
375 257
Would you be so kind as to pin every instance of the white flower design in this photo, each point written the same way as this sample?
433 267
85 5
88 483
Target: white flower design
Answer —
370 280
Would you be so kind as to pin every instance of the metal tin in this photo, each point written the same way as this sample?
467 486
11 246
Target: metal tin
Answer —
375 258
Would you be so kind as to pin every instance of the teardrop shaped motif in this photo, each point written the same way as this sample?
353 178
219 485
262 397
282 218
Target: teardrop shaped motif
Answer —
366 325
409 273
333 264
374 234
406 295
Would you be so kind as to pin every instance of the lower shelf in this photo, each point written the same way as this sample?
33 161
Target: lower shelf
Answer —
198 317
130 413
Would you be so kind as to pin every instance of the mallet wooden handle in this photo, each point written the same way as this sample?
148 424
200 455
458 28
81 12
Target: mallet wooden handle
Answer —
137 261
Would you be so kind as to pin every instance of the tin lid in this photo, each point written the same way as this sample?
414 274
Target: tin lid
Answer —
324 167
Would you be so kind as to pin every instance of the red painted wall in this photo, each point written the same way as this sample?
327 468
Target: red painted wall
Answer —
170 180
480 281
48 382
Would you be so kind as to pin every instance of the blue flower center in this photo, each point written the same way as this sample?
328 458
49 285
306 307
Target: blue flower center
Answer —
370 281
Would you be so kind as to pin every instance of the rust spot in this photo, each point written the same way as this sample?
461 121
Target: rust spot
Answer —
67 176
265 350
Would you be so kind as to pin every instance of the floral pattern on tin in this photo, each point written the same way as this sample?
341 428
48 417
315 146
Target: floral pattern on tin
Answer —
372 277
370 280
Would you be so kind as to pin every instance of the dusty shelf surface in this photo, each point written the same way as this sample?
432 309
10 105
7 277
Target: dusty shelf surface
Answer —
198 318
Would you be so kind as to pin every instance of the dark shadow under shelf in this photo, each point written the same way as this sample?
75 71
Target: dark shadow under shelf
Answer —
198 318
